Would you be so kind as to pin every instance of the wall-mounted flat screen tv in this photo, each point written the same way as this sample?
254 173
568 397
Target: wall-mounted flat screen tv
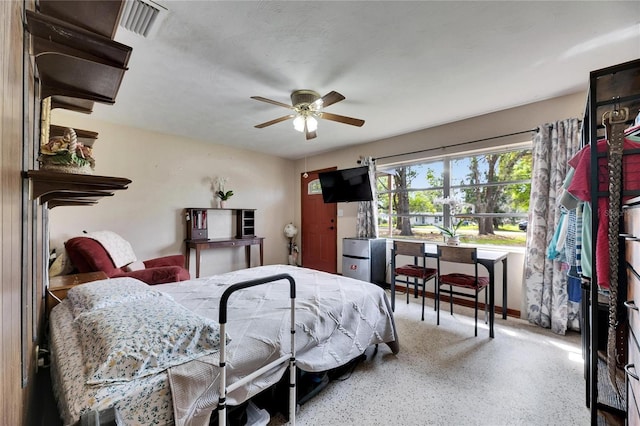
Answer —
340 186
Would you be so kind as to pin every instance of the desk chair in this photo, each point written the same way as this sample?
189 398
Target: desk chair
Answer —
474 282
415 273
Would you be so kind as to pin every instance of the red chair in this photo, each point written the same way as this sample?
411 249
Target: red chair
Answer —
474 282
88 255
415 273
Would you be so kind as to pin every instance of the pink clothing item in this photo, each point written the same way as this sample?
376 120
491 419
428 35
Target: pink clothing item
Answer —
580 187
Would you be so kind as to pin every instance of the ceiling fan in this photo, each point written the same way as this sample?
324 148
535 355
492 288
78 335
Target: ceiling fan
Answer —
307 107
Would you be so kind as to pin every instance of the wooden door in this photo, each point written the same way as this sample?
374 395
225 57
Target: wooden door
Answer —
319 226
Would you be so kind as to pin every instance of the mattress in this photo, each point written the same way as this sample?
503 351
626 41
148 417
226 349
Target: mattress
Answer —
337 318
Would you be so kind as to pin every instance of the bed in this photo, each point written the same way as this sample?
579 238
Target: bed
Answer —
337 319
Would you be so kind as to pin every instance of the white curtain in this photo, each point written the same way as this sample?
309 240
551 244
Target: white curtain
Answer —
546 279
367 218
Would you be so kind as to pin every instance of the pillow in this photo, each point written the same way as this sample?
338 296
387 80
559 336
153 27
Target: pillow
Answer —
126 342
138 265
108 293
61 265
118 248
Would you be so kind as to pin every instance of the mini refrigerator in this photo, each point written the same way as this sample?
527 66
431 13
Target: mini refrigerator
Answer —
365 259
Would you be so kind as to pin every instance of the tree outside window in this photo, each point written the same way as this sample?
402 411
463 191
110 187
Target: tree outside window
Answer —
495 187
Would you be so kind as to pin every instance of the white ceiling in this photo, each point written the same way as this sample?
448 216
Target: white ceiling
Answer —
402 66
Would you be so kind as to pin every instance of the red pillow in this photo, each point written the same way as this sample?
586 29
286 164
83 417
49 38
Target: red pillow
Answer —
88 255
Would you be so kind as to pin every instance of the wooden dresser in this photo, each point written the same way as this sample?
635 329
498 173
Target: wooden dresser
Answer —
632 369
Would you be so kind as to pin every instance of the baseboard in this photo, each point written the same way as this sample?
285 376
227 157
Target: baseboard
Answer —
462 302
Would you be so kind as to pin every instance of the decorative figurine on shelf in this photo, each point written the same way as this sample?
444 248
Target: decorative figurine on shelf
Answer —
290 231
223 195
66 154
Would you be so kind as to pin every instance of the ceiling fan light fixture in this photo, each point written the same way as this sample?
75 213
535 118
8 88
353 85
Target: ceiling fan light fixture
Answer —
307 107
298 123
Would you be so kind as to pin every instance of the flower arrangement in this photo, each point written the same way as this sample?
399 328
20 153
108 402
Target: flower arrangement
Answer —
67 153
450 231
455 208
220 183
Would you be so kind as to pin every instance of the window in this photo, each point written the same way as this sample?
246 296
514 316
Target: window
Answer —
314 187
485 194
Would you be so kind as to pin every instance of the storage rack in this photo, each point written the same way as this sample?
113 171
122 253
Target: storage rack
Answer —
613 88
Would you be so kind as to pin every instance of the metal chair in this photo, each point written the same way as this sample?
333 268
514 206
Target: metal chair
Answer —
474 282
415 273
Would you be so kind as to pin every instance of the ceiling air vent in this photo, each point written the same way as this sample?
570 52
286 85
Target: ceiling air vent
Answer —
142 17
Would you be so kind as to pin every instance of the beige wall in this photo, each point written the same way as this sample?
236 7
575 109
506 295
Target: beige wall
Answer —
170 173
486 126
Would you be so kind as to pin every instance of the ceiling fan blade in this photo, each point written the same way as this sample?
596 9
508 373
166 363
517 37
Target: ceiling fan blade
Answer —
342 119
310 135
270 101
277 120
331 98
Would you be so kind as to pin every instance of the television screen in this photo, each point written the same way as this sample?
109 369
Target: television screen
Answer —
346 185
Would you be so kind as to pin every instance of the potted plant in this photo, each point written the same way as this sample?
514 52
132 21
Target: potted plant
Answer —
450 233
221 193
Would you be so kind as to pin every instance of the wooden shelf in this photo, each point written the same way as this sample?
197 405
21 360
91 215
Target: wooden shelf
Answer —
74 62
78 63
72 104
246 223
99 16
58 189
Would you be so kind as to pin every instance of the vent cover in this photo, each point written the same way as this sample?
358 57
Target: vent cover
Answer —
142 17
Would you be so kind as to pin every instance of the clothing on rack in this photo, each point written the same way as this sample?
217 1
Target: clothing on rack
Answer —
574 287
555 251
580 187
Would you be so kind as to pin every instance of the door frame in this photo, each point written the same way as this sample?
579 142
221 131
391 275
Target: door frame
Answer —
334 216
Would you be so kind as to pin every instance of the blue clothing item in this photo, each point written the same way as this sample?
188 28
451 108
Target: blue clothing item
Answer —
552 251
585 241
574 289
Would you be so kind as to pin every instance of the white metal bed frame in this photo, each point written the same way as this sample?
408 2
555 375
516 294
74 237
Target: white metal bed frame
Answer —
290 357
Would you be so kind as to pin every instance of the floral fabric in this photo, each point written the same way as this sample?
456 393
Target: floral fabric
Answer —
108 293
367 217
142 402
129 331
547 299
131 341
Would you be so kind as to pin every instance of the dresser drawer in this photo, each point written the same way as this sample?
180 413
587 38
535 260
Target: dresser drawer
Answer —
632 252
633 300
633 367
633 414
632 221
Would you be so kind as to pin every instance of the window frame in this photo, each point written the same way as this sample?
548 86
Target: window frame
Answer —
447 188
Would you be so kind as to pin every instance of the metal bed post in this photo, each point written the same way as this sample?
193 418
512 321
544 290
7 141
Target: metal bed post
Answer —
291 357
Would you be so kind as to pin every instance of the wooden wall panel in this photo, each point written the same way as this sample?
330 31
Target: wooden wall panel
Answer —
12 394
20 314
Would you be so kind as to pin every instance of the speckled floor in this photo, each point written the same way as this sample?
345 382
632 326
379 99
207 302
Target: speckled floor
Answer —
444 375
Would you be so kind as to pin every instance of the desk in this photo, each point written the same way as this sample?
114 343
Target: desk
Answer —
488 259
199 245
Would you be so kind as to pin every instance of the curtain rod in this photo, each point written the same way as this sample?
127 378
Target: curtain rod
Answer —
456 144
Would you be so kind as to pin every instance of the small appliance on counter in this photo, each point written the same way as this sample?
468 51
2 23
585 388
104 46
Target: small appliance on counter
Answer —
365 259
